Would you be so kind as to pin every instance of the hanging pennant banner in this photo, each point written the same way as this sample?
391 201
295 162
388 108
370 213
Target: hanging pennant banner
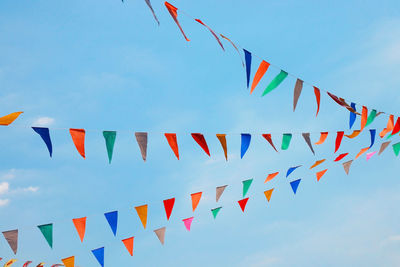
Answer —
128 242
269 139
362 151
212 32
109 137
298 87
168 206
353 115
10 262
222 140
354 134
69 262
341 156
152 11
57 265
218 192
47 231
237 50
262 69
341 102
243 203
45 135
322 138
286 138
195 199
396 148
141 138
396 127
173 143
383 147
26 264
275 82
142 213
307 138
188 223
78 137
373 134
41 264
369 155
10 118
246 186
338 141
112 219
389 127
160 234
199 138
317 94
215 211
346 166
295 184
80 226
174 14
12 239
320 174
318 162
364 117
271 176
268 194
246 138
291 169
99 255
247 59
371 117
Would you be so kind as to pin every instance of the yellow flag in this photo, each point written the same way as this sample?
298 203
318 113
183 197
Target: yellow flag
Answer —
8 119
142 213
268 194
69 262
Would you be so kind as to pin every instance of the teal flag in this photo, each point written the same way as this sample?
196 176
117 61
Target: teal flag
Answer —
275 82
109 137
246 186
286 138
215 211
371 117
47 231
396 148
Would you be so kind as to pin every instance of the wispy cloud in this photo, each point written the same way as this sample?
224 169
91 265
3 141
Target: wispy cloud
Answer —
4 186
43 121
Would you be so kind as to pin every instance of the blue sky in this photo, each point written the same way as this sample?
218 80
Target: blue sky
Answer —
108 66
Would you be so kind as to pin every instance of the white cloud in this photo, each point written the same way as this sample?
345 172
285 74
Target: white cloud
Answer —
43 121
4 186
4 202
31 189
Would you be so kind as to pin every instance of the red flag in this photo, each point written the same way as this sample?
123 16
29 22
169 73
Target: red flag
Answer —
396 128
199 138
317 93
128 242
341 156
173 11
212 32
269 139
243 203
338 141
173 143
169 205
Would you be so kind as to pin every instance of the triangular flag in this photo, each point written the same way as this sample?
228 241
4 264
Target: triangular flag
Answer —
362 151
247 58
369 155
215 211
237 50
268 194
269 139
383 147
246 186
199 138
45 135
26 264
271 176
112 219
262 69
275 82
212 32
389 127
246 138
188 223
152 11
341 156
69 262
128 242
291 169
168 206
396 127
243 203
80 225
160 234
47 231
41 264
99 255
298 87
222 140
8 119
338 141
295 184
141 139
286 141
373 133
354 134
195 199
10 262
218 192
371 117
364 117
317 93
322 138
12 239
174 14
109 137
353 115
142 213
307 138
320 174
318 162
78 137
396 148
173 143
346 166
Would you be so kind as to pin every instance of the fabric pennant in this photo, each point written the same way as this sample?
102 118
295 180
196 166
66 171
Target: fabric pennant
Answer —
396 148
286 138
41 264
47 231
373 134
262 69
371 117
45 135
142 213
109 137
168 206
173 143
307 138
268 194
222 140
362 151
173 11
78 137
141 138
128 242
342 102
80 226
369 155
346 166
246 138
212 32
271 176
318 162
199 138
298 87
152 11
396 127
275 82
10 118
237 50
353 116
196 199
389 127
99 255
247 59
354 134
338 141
218 192
188 223
215 212
383 147
26 264
341 156
269 139
246 186
364 117
322 138
243 203
12 239
295 184
291 169
112 219
57 265
69 262
160 233
317 94
320 174
10 263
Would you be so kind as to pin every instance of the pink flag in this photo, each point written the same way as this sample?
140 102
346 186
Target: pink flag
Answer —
188 222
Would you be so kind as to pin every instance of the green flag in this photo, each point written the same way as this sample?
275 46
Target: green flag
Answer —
47 231
246 186
371 117
286 138
215 211
275 82
110 136
396 148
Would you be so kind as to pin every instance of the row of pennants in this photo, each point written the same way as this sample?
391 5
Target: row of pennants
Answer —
142 211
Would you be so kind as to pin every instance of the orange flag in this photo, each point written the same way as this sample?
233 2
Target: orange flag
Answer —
320 174
318 162
389 127
262 69
80 225
268 194
362 151
173 11
322 139
317 93
78 137
8 119
354 134
364 117
69 262
173 143
128 242
222 140
196 199
142 213
271 176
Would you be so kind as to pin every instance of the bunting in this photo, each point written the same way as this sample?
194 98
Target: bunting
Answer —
346 166
142 213
109 137
47 231
112 219
262 69
10 118
80 226
396 127
269 139
371 117
10 262
322 138
215 212
353 115
389 127
168 206
141 138
69 262
196 199
12 239
99 255
45 135
341 102
286 138
173 11
199 138
373 134
268 194
271 176
307 139
160 233
317 94
222 140
275 82
354 134
237 50
128 242
173 143
247 59
78 137
318 162
218 192
364 117
291 169
152 11
212 32
295 184
188 223
26 264
243 203
246 138
396 148
246 186
338 141
341 156
383 147
320 174
369 155
362 151
298 87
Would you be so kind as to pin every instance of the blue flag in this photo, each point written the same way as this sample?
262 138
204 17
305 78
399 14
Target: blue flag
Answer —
99 254
373 133
291 169
247 58
353 116
246 138
112 219
45 134
294 184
